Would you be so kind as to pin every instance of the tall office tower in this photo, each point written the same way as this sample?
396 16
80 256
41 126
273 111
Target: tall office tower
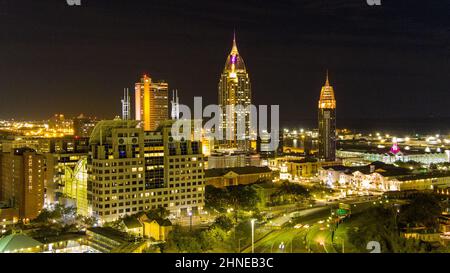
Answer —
327 123
125 105
234 90
152 104
22 181
175 114
83 126
132 170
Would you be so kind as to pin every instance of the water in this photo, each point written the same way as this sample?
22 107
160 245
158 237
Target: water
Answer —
398 126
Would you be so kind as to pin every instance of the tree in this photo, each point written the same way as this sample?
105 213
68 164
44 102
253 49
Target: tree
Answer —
215 198
223 222
214 238
184 241
240 197
158 213
289 192
424 210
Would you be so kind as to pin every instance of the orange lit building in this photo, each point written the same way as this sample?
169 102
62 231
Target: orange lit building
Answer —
151 102
22 181
327 123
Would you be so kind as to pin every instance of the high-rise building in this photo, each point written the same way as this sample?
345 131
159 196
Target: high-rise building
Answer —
151 102
126 105
22 181
175 113
327 123
234 91
132 170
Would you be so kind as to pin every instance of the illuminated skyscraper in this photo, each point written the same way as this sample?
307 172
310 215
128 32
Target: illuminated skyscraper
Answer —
126 105
235 91
175 114
327 123
151 99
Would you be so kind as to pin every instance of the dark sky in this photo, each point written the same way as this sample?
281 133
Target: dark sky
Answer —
385 62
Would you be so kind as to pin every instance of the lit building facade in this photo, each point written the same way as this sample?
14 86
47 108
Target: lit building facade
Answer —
235 94
75 186
83 126
390 158
151 102
132 170
327 123
382 177
22 181
233 160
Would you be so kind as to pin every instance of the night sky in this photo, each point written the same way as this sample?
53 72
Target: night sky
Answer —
390 61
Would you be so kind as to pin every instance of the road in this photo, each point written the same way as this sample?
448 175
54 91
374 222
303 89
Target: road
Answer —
315 237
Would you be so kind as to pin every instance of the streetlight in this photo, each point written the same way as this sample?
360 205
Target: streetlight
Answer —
253 234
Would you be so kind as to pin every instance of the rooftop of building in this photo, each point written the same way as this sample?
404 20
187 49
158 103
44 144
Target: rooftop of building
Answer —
303 160
129 247
424 176
61 238
131 222
17 241
104 128
385 170
110 233
217 172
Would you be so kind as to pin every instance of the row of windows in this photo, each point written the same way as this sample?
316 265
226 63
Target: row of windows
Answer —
135 195
183 159
115 184
120 177
137 209
114 164
177 166
112 203
184 178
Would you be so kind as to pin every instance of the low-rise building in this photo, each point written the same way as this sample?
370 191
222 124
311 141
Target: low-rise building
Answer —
379 176
224 177
219 160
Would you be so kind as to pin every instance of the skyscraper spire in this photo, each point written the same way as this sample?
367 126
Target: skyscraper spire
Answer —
234 48
327 82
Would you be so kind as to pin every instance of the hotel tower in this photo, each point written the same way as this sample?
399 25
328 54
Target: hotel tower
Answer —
235 94
327 123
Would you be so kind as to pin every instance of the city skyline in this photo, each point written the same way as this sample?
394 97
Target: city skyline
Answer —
288 51
356 160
